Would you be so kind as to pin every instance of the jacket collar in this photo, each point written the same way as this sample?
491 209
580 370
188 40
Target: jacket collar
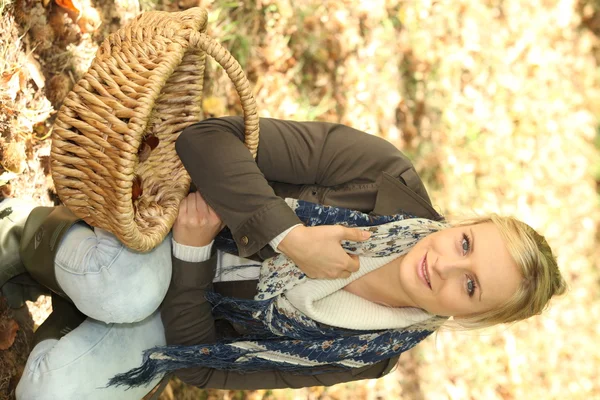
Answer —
406 194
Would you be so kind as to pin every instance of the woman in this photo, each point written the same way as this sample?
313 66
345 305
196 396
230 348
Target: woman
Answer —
482 273
81 363
414 273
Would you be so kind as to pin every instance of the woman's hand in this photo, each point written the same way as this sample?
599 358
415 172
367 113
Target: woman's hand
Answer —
317 250
197 223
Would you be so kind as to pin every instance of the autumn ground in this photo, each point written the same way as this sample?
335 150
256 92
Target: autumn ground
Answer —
496 102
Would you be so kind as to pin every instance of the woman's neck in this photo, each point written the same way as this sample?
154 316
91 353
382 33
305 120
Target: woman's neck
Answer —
382 286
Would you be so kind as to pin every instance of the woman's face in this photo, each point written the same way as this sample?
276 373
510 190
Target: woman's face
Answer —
460 271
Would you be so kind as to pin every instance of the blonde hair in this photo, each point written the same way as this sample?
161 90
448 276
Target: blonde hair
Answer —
541 277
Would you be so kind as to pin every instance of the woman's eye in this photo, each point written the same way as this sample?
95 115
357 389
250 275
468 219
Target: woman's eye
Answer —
465 244
470 287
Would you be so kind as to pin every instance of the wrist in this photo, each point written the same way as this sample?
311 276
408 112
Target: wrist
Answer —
292 240
188 253
275 242
193 238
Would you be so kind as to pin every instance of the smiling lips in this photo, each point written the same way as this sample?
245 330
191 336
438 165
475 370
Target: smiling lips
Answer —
423 272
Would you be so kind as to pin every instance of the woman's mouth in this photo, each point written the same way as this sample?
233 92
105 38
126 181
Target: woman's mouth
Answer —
423 272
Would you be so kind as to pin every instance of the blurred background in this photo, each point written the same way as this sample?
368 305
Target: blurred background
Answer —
496 102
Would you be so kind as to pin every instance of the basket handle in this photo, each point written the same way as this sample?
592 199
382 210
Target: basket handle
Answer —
237 76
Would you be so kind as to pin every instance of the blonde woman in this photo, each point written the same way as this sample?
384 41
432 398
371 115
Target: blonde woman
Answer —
338 304
294 331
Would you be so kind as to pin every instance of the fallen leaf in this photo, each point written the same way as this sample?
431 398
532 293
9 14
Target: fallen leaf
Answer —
35 71
22 80
8 334
12 85
7 176
213 105
151 141
89 20
14 156
137 190
144 152
6 189
148 144
68 4
6 77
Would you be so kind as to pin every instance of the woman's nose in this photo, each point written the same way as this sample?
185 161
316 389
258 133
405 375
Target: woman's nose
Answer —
446 267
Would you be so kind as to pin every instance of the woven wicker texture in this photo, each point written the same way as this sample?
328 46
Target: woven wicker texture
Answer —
113 146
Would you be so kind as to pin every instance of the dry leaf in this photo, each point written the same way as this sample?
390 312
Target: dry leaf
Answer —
14 156
35 71
6 77
89 20
213 105
144 152
68 4
6 190
148 144
22 80
137 190
8 333
58 87
12 85
152 141
7 176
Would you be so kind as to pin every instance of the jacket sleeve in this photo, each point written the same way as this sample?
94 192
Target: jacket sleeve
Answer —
301 153
188 320
186 314
206 378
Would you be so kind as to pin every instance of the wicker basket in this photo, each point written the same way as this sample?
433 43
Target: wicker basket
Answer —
113 147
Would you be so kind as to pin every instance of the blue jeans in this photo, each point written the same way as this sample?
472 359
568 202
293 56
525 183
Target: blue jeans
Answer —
120 291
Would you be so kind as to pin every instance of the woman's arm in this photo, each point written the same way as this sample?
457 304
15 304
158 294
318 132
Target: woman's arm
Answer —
187 315
207 378
302 153
188 320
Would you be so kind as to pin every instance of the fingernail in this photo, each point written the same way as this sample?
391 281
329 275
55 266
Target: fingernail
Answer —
365 234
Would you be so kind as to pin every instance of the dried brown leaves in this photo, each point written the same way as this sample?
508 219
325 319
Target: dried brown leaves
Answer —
497 103
8 333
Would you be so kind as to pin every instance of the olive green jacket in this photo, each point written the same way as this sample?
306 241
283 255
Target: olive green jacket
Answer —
320 162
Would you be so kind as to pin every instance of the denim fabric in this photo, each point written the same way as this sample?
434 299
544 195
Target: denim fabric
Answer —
120 290
79 365
109 282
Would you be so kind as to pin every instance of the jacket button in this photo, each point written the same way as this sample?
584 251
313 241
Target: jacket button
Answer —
244 240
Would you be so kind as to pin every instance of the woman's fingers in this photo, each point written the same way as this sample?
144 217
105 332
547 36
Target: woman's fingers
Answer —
202 202
345 274
183 207
194 200
353 263
204 208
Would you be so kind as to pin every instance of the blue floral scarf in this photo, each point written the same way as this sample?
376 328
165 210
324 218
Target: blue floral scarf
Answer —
279 337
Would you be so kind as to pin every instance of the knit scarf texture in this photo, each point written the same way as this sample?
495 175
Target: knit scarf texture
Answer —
276 335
